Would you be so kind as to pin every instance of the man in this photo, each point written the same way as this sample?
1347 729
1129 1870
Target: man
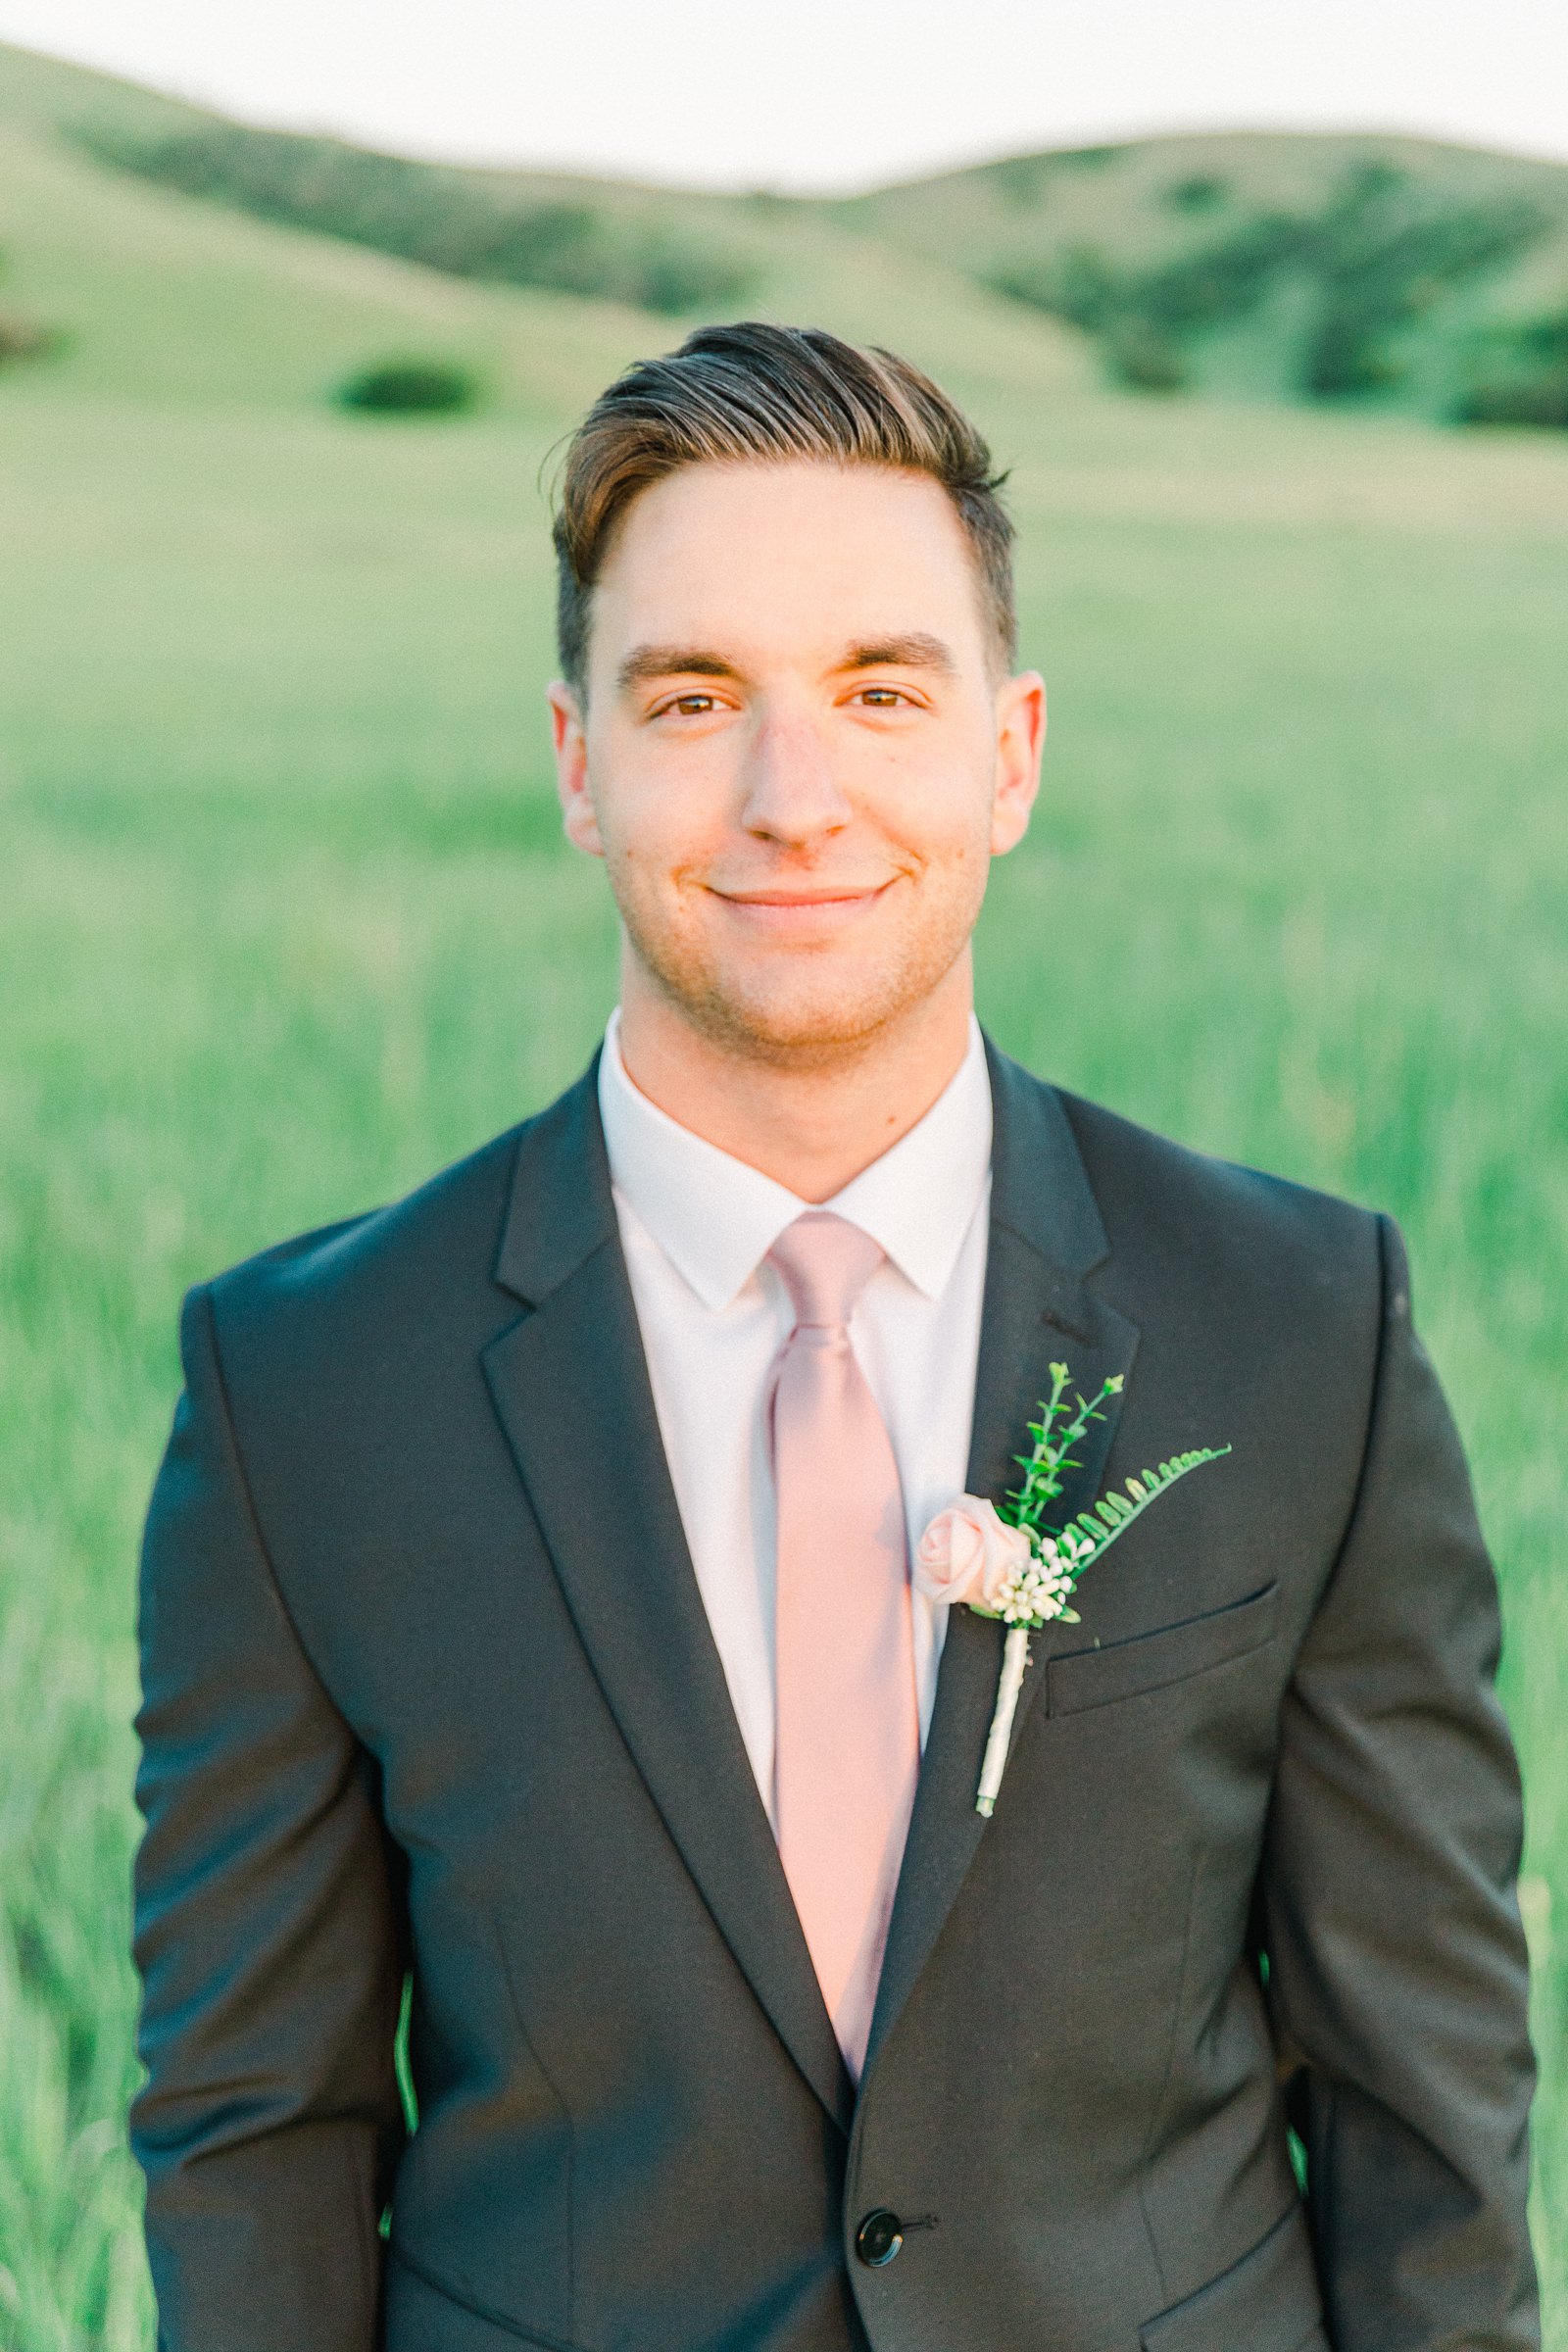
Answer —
527 1611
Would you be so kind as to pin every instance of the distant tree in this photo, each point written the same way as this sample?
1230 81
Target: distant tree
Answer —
1381 255
1081 284
1144 319
1218 282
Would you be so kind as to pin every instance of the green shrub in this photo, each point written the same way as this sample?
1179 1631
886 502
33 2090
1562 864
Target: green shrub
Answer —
410 387
1531 399
1523 378
672 278
1143 358
1021 181
24 338
1199 192
558 245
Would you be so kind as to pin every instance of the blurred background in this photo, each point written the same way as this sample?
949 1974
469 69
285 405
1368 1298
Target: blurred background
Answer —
1267 311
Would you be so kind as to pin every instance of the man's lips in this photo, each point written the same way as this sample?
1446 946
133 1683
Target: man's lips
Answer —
817 907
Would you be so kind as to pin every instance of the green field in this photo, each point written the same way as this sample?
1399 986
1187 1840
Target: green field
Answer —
285 919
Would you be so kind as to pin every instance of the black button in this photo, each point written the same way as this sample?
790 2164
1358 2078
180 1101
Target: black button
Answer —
879 2238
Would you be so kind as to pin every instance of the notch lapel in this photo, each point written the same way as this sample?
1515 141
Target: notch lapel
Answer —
569 1382
1046 1237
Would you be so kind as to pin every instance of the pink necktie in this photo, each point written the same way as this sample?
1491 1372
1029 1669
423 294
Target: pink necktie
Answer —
848 1749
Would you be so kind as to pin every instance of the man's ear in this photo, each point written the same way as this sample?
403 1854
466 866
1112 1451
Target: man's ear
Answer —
1020 739
571 769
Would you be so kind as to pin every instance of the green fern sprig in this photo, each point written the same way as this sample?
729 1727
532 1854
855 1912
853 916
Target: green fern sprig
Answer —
1091 1534
1052 1454
1083 1540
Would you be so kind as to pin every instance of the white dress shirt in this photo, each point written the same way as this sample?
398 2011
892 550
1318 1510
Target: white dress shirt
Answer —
695 1225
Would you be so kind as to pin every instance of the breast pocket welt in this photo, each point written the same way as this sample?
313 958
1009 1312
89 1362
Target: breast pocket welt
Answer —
1174 1653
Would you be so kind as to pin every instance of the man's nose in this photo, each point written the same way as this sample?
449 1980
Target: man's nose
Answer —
791 792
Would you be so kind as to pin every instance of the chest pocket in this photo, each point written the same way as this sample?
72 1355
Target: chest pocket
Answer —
1094 1677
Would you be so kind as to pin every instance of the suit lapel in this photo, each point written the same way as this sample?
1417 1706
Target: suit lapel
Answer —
1046 1237
570 1384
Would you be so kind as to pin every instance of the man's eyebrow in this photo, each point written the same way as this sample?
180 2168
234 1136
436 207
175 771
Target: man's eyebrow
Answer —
648 661
917 650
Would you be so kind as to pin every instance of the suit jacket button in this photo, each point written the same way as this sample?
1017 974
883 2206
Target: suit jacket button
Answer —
879 2238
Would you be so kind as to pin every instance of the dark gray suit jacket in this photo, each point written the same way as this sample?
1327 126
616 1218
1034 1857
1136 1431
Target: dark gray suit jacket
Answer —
429 1688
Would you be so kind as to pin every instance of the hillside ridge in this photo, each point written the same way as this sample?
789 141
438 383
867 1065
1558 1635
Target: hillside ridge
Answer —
1325 266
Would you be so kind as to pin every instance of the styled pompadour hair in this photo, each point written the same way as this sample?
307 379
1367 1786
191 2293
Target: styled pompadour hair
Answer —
770 394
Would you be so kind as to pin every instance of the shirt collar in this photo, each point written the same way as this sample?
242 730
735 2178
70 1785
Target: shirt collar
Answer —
715 1218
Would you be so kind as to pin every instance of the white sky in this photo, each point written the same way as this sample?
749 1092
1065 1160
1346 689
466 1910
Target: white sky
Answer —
828 93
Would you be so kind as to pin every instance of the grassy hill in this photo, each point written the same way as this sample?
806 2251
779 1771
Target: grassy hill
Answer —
156 293
286 918
1418 276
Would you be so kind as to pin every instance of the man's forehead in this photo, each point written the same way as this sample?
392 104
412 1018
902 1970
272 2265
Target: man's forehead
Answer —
852 502
737 559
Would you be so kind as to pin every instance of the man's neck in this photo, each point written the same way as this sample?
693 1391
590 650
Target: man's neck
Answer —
812 1127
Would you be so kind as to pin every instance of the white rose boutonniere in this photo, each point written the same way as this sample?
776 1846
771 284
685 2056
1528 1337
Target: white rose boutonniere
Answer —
1006 1564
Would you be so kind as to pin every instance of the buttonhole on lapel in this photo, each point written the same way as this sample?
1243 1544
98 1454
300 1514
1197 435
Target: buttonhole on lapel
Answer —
921 2220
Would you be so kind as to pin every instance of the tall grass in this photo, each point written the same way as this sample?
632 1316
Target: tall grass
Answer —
286 922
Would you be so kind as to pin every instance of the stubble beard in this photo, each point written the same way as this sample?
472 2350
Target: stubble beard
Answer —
779 1011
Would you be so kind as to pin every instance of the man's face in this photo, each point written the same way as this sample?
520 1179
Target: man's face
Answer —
796 759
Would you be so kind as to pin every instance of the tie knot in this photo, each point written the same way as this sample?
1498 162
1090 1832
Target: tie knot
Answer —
826 1263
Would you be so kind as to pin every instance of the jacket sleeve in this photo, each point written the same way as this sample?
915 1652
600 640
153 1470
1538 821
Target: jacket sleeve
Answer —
1389 1916
266 1933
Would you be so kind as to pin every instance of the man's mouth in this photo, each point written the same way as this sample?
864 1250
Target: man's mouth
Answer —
784 909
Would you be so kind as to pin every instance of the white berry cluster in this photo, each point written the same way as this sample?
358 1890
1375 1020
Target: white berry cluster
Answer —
1033 1596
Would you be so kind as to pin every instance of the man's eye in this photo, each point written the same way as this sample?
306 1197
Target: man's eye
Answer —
691 705
881 697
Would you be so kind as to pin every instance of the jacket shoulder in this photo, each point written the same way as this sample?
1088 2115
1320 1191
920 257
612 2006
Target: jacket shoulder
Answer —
1205 1227
454 1217
1129 1165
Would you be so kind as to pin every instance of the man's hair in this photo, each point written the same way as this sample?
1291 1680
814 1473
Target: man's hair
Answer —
755 393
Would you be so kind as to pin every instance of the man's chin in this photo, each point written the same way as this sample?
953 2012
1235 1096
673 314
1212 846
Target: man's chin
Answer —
792 1008
787 1026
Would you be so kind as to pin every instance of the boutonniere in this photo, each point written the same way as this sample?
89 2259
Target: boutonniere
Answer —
1007 1562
